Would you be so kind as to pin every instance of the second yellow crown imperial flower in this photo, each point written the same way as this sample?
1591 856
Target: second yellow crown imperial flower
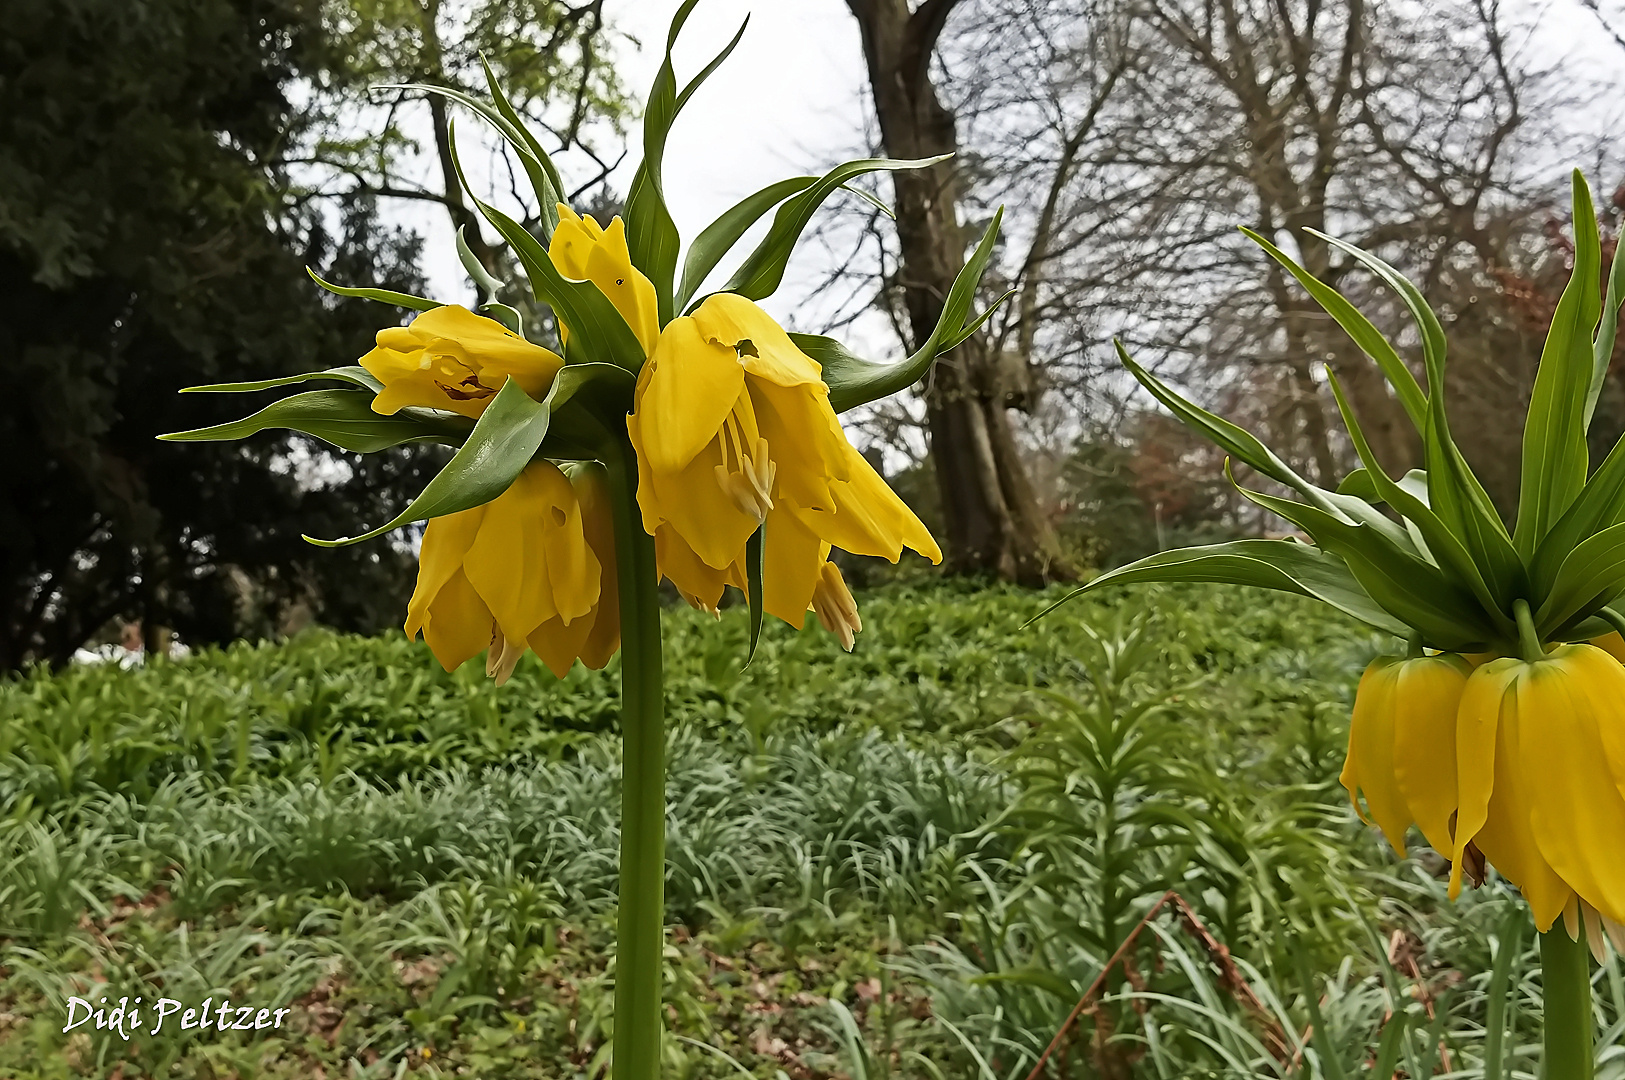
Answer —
1402 745
520 570
1540 750
450 358
733 430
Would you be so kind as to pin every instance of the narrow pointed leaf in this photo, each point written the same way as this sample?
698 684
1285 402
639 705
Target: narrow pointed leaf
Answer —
1591 576
1278 565
855 381
550 195
383 296
542 177
1450 553
755 560
1401 582
355 374
717 238
1365 335
1555 458
651 234
341 417
1599 506
598 332
763 268
1607 330
487 285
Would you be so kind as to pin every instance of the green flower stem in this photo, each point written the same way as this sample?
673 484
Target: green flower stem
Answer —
640 930
1529 646
1566 981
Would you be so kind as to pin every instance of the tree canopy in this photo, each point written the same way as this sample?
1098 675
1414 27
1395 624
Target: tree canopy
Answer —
149 241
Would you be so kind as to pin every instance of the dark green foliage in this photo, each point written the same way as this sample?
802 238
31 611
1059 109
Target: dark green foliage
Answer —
148 241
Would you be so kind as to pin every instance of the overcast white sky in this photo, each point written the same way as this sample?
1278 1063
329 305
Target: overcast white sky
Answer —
788 101
791 100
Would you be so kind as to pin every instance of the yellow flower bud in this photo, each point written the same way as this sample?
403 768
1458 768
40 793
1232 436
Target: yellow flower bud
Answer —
585 251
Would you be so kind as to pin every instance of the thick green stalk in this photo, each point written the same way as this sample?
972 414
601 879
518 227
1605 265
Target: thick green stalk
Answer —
1566 981
640 929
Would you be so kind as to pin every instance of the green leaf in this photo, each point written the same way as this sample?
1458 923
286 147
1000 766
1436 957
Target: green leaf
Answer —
722 234
504 440
550 194
755 559
507 316
1508 948
1600 505
598 332
1456 494
537 165
651 235
1330 1063
355 374
1555 458
1603 353
1433 340
1401 582
1278 565
487 285
341 417
1358 327
763 269
1222 433
1358 484
1590 577
383 296
855 381
1456 561
1391 1046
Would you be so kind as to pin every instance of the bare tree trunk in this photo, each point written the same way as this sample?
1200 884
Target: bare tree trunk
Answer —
990 512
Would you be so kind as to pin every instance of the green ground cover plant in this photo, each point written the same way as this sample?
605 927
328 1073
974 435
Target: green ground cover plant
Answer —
914 869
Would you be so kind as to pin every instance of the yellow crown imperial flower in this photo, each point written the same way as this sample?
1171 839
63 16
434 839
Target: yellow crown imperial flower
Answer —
514 571
586 251
450 358
734 432
1402 751
1540 751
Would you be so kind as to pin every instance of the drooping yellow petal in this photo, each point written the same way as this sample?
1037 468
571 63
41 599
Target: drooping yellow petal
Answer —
1577 811
457 624
1613 645
530 560
440 556
812 450
1506 836
699 583
695 504
1427 698
870 519
792 559
1369 767
1478 723
685 392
